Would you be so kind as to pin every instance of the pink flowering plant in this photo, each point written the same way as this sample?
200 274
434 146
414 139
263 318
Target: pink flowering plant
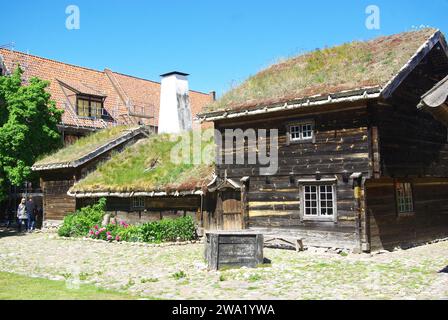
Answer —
111 232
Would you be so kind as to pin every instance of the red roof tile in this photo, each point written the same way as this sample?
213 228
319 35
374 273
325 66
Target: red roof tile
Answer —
66 79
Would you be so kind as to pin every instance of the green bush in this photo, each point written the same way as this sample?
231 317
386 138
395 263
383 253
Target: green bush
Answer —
130 234
87 222
80 223
182 229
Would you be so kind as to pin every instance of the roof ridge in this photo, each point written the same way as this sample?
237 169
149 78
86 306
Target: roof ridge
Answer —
52 60
88 68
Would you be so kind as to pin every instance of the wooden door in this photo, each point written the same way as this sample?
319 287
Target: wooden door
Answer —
230 210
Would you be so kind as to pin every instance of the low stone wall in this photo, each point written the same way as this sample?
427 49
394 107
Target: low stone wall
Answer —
135 244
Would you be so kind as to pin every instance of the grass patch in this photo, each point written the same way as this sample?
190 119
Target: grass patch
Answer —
126 286
148 166
146 280
264 265
84 145
254 277
179 275
17 287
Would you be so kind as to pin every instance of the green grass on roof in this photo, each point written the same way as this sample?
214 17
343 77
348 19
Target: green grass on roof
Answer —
346 67
147 166
84 146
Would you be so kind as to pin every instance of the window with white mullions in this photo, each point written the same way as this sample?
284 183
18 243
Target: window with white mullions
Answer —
405 202
307 131
319 201
295 133
301 131
311 200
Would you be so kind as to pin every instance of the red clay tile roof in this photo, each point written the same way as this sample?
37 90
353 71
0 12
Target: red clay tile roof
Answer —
82 88
65 79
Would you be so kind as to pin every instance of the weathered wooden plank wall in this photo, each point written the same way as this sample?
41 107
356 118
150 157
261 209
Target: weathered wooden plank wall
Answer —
388 229
411 142
56 203
155 208
341 144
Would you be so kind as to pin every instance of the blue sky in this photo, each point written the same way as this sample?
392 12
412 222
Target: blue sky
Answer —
220 43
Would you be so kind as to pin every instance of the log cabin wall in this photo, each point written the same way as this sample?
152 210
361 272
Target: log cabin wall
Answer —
341 143
390 229
412 148
152 209
56 183
411 142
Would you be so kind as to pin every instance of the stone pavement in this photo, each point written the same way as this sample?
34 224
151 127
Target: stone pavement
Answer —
155 272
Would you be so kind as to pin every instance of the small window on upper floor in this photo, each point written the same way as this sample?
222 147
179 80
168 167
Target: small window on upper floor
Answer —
301 131
89 107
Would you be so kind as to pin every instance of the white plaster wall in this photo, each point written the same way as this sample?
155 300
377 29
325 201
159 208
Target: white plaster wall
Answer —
174 117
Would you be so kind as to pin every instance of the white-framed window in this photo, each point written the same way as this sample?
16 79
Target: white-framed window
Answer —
138 203
319 201
302 131
405 201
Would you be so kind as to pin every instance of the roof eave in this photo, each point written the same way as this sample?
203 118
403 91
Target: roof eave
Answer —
152 194
343 96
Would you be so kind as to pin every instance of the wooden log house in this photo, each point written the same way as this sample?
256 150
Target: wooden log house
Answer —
360 166
141 184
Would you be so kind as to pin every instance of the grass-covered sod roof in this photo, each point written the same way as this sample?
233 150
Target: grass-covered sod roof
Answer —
84 146
346 67
147 166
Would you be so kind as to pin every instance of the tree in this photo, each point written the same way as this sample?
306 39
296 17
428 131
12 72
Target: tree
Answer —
28 127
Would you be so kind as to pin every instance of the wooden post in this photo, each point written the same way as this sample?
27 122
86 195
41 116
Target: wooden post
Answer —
357 199
244 209
375 152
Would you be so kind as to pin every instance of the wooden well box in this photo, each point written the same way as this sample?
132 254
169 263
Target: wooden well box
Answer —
233 249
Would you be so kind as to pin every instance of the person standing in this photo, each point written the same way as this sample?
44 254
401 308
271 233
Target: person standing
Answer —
30 211
22 215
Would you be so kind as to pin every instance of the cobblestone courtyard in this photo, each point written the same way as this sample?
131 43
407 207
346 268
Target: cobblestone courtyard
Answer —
178 272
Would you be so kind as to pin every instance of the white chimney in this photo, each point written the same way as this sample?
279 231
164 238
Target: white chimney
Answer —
175 112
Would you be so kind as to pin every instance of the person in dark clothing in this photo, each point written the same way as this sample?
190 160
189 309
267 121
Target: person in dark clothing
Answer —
31 213
9 218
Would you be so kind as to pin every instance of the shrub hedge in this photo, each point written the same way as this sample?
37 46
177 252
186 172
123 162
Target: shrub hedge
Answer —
79 223
87 222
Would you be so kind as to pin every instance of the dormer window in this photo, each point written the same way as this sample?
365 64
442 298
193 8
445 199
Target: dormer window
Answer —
89 107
